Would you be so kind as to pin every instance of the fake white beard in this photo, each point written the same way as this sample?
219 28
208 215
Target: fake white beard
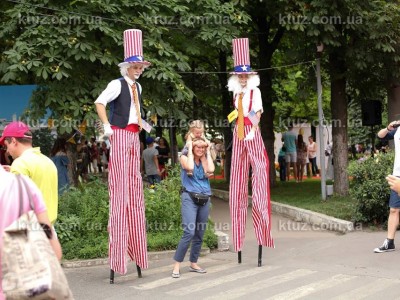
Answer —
124 71
234 85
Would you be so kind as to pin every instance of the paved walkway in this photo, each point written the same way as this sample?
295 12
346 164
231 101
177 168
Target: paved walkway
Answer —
307 263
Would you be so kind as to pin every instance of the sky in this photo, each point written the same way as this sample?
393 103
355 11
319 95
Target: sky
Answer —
14 99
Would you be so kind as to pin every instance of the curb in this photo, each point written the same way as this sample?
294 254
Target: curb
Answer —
157 255
300 215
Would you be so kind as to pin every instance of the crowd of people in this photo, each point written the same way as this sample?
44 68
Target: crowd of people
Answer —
298 155
92 158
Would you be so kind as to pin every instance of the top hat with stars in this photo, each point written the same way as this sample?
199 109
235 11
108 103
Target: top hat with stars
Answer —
241 57
133 49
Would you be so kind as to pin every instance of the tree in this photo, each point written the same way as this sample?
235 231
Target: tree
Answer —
355 40
73 59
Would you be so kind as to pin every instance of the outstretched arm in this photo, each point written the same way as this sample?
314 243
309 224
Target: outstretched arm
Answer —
383 132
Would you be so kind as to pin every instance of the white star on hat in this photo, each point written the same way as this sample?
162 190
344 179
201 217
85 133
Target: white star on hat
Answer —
244 68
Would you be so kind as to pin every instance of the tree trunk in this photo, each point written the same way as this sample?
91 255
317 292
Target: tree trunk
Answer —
339 122
159 129
267 122
173 145
266 50
195 100
393 92
72 170
226 109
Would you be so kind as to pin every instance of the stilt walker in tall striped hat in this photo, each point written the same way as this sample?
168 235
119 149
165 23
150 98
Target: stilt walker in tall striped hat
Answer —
127 224
248 150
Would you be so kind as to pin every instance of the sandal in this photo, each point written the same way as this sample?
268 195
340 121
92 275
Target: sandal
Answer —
201 271
176 275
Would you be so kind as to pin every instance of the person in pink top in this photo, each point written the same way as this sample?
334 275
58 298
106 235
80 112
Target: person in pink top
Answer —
9 209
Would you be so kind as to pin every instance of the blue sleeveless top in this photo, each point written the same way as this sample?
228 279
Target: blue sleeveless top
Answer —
198 182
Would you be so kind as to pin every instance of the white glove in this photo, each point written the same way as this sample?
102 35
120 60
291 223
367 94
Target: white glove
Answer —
107 130
249 136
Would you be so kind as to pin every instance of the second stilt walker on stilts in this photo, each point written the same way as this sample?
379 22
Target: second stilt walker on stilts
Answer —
248 150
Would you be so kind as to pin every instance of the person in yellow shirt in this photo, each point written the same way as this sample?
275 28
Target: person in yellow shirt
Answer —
29 161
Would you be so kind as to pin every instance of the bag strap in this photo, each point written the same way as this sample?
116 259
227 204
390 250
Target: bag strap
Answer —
21 182
20 195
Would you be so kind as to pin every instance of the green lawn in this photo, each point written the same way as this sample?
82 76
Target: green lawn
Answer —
306 195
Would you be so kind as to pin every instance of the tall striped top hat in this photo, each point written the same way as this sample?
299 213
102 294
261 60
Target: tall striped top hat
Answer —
133 48
241 57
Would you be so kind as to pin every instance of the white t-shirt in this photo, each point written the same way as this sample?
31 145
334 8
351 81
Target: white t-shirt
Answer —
312 147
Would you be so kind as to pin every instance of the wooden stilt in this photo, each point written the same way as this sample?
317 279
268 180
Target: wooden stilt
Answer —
111 276
239 257
259 255
139 271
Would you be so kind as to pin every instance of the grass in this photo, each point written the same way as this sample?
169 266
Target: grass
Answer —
306 195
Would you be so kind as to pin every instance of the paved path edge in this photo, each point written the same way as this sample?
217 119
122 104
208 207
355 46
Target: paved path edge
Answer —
301 215
295 213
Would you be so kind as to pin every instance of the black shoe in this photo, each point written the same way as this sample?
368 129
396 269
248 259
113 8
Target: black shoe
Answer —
386 247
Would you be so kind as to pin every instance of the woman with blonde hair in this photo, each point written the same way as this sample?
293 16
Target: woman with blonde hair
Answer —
195 199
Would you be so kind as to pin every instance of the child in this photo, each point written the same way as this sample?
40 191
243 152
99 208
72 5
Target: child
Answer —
196 130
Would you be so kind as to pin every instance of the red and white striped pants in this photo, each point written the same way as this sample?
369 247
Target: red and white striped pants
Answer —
244 154
127 223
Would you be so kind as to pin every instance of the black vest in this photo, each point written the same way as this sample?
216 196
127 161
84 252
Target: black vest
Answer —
120 107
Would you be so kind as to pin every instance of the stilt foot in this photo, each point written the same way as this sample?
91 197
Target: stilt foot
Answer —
111 277
139 271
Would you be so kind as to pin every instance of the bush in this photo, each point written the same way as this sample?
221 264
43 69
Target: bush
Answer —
369 188
83 217
82 221
163 203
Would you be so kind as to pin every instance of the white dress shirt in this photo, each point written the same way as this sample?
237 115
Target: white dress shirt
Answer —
113 90
256 102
